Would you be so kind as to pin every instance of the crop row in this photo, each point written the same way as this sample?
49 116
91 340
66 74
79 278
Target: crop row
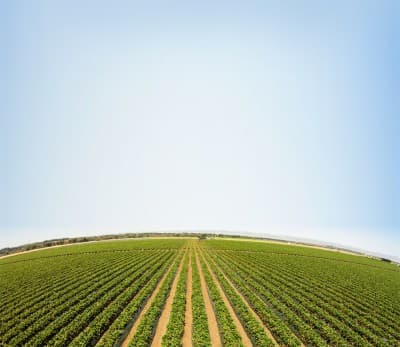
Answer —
88 268
93 322
30 321
227 329
302 310
325 305
306 325
346 283
200 332
146 328
46 279
97 248
249 322
134 297
31 311
52 280
347 280
269 317
355 307
310 327
338 264
118 330
50 325
176 324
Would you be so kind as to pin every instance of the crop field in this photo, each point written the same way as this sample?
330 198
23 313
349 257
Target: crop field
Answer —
190 292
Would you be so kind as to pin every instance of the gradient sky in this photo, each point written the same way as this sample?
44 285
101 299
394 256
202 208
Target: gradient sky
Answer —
271 117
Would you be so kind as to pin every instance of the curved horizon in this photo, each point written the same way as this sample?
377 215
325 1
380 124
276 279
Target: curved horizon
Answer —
255 117
329 245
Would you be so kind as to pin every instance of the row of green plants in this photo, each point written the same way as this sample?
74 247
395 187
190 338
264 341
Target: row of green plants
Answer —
339 298
105 290
73 270
28 275
228 332
94 297
200 331
176 323
304 324
146 328
330 321
271 318
351 284
138 244
13 297
322 305
295 250
50 278
33 311
253 328
354 280
344 299
351 275
94 321
54 306
108 326
302 311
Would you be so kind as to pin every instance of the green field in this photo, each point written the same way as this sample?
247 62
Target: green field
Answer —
171 291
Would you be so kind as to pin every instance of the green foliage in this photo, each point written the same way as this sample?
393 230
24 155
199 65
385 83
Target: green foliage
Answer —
252 326
176 324
200 332
228 332
321 299
146 328
92 294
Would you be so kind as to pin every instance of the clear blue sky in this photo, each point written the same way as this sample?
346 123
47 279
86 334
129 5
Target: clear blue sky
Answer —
276 117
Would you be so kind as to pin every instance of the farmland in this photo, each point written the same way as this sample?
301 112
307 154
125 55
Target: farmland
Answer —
186 292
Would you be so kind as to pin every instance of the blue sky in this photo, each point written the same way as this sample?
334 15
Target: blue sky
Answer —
258 116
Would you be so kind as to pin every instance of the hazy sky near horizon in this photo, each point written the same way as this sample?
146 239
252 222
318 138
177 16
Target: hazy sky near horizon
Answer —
272 117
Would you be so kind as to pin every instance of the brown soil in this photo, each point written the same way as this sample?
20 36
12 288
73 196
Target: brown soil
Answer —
239 327
146 308
212 320
187 334
164 318
266 330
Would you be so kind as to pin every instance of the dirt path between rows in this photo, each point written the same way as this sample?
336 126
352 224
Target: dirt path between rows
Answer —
162 324
187 334
239 327
266 330
211 319
146 307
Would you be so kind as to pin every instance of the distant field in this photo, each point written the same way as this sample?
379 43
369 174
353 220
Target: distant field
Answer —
186 292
